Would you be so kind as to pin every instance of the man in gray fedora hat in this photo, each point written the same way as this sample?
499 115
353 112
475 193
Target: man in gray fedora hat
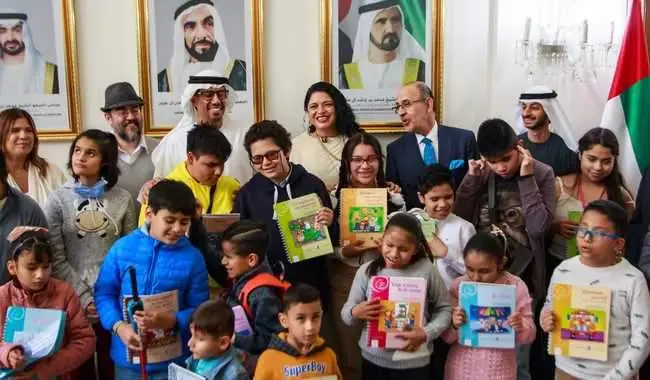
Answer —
123 112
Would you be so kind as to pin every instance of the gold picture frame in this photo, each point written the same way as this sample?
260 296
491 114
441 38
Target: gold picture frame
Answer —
254 91
52 96
328 25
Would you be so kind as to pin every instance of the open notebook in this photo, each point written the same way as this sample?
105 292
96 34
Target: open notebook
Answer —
39 331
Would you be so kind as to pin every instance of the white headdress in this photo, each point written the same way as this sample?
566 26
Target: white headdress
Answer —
547 98
180 67
408 45
34 72
172 148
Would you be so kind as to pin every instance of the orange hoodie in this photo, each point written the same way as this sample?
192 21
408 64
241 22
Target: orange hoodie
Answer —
281 361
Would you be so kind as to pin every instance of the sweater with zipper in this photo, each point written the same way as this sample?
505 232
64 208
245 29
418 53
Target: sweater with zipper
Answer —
159 268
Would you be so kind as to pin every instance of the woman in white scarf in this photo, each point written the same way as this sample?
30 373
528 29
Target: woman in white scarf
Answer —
28 172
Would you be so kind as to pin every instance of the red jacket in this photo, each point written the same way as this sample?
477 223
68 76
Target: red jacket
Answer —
79 340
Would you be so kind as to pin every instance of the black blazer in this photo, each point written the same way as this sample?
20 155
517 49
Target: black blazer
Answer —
404 162
639 224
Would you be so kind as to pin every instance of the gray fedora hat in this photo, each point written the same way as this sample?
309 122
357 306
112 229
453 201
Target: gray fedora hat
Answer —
120 94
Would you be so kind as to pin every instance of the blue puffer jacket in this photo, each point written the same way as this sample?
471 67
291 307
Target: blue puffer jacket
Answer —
159 268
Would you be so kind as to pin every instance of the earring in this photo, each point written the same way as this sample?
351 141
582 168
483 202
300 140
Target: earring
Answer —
305 121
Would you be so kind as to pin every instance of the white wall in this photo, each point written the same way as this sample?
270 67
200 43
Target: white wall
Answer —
107 52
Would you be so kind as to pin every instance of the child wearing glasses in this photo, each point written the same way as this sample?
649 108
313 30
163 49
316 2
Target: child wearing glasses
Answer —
277 179
601 242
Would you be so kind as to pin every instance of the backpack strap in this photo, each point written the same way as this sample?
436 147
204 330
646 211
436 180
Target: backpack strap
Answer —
259 280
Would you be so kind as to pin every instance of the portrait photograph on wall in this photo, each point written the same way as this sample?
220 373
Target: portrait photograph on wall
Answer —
180 38
373 47
38 70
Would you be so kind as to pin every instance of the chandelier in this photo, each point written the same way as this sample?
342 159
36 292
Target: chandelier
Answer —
563 52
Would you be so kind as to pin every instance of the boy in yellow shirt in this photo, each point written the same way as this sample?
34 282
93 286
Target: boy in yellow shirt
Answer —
299 353
207 152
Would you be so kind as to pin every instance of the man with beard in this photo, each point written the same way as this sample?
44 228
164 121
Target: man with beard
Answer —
206 101
123 112
22 68
200 43
385 54
541 115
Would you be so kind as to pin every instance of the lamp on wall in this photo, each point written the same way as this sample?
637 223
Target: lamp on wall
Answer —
561 51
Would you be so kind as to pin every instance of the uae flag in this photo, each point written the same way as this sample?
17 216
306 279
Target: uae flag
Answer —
627 112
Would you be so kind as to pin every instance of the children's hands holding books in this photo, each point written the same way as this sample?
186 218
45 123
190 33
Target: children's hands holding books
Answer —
567 229
368 310
129 337
154 320
414 339
515 321
458 317
16 358
547 320
393 188
325 216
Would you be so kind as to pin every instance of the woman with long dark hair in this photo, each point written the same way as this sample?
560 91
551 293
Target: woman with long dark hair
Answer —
599 178
362 166
331 123
28 172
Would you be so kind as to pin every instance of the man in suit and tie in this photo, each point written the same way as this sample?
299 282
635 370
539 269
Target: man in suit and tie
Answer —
426 143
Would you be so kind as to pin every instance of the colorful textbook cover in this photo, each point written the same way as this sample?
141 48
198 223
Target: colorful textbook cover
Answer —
403 300
487 308
303 238
582 328
363 214
39 331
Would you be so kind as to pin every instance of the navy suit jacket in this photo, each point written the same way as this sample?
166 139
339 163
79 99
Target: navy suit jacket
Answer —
404 163
640 223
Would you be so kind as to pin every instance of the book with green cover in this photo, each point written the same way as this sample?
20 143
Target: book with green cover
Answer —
572 244
302 236
39 331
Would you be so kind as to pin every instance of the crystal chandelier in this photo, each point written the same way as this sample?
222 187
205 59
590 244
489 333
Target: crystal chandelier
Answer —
561 52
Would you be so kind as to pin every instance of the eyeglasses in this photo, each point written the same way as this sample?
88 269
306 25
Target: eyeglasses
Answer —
124 112
370 160
583 232
406 104
271 155
208 94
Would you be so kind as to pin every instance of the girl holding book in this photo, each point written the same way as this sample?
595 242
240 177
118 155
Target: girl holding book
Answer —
599 178
601 264
86 216
30 266
362 166
485 259
404 253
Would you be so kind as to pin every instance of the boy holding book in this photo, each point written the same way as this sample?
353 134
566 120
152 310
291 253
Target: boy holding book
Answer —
299 353
277 179
167 267
213 356
600 263
254 287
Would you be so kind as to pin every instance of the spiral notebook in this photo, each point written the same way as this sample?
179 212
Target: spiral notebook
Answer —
487 309
39 331
302 237
582 325
403 300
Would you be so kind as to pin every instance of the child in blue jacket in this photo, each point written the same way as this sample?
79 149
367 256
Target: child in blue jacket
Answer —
171 278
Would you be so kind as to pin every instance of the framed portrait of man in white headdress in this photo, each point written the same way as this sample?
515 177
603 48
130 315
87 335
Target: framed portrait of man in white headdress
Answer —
38 70
371 48
180 38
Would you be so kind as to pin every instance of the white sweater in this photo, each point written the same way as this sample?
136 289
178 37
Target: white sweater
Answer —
629 323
